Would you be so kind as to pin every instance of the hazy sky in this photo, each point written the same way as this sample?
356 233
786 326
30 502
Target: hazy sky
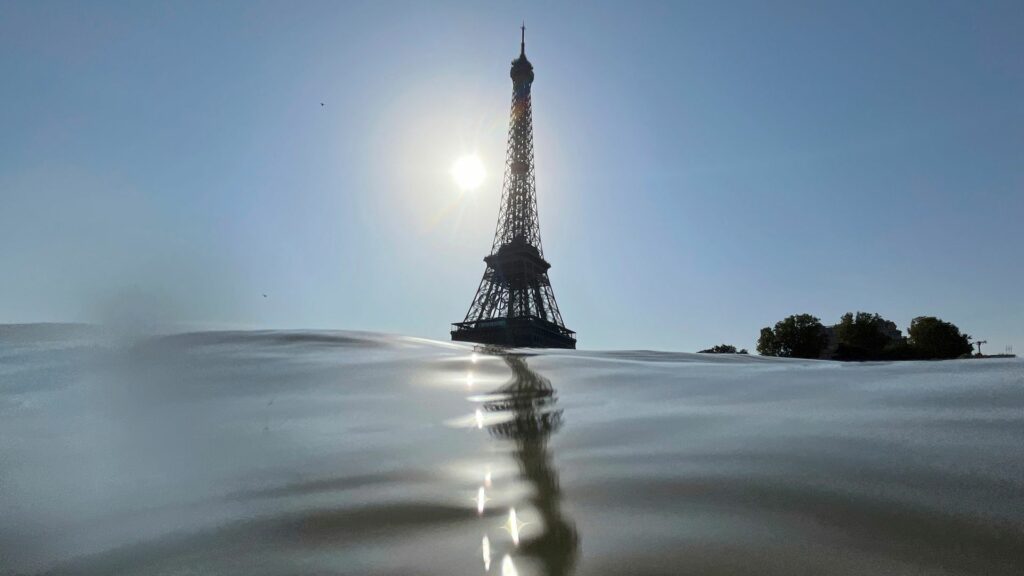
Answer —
703 169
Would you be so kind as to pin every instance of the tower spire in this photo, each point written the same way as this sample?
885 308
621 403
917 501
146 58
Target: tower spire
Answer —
522 39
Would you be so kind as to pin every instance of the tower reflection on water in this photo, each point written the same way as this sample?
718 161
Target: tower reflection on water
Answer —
524 413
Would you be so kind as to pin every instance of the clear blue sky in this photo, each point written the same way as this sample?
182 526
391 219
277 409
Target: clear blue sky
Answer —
704 169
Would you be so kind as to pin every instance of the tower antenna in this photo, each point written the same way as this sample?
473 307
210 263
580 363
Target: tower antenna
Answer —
522 40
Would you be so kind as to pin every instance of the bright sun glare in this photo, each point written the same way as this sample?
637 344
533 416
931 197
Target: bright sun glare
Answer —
468 172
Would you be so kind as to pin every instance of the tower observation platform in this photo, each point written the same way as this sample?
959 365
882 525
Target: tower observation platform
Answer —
514 304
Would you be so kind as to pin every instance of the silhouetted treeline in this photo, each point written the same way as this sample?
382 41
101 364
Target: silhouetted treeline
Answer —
863 336
723 349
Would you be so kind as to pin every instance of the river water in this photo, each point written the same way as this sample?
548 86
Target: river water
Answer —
284 453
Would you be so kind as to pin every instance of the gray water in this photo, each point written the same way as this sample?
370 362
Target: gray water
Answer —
349 453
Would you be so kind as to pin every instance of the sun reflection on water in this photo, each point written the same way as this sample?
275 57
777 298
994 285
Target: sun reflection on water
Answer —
523 413
486 545
513 525
481 500
508 568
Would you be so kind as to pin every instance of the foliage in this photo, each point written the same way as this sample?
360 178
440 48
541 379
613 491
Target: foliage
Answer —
767 345
931 338
723 349
897 350
798 336
864 336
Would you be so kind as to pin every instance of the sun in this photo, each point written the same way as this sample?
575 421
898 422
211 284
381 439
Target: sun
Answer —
468 172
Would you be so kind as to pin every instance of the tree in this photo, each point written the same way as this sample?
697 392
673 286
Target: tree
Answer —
723 349
864 336
767 344
933 339
898 350
720 349
798 336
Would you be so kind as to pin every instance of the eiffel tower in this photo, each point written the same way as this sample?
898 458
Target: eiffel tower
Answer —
514 305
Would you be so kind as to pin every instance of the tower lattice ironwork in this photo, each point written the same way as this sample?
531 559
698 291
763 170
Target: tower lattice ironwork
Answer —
515 305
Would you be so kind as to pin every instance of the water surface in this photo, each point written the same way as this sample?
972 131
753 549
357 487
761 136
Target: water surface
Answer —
351 453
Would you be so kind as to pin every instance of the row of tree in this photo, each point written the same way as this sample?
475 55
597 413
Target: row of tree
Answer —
723 349
863 336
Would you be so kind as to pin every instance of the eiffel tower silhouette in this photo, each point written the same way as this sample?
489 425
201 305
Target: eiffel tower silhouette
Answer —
515 305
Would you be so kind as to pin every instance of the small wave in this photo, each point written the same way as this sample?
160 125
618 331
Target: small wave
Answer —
893 532
255 545
329 485
281 338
